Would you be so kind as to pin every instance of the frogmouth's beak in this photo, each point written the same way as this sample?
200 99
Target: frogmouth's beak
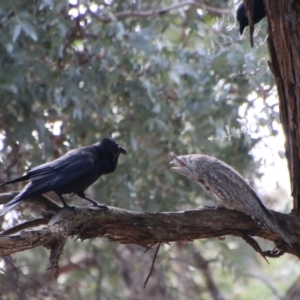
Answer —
175 165
122 150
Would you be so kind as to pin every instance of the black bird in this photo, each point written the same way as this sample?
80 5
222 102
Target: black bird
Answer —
259 12
72 173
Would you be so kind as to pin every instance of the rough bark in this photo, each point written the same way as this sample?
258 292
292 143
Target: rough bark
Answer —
144 229
284 44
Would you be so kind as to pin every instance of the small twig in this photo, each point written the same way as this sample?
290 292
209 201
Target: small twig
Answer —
149 247
152 266
25 225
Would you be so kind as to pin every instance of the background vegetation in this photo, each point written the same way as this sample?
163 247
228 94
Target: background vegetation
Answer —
157 81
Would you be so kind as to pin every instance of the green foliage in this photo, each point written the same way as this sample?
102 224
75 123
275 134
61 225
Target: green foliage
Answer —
158 84
131 79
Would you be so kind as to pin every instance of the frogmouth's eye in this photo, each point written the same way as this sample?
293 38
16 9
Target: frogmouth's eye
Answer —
181 163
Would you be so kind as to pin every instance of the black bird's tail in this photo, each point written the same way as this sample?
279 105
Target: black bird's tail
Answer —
10 205
23 178
17 199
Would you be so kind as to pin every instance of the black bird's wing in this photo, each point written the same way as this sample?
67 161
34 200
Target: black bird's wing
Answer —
53 176
60 172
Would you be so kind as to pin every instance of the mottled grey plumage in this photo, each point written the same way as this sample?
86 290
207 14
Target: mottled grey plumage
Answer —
226 185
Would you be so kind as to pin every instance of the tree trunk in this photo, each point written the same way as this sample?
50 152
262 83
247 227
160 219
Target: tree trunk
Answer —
284 47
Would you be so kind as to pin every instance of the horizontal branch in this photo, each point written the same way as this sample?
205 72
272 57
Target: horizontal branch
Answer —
144 228
161 11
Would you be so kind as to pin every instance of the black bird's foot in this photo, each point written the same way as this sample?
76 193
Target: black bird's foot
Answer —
65 203
102 206
94 202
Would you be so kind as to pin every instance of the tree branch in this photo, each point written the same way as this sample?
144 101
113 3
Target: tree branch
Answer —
144 228
156 12
25 225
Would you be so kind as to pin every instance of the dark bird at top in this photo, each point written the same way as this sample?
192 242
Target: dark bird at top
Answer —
71 173
259 13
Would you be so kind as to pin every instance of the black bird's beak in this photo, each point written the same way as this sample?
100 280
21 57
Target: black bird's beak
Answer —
122 150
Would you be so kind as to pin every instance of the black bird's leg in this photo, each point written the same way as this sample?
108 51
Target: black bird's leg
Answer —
95 203
62 200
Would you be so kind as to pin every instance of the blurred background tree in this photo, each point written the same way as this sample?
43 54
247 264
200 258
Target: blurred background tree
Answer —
158 76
